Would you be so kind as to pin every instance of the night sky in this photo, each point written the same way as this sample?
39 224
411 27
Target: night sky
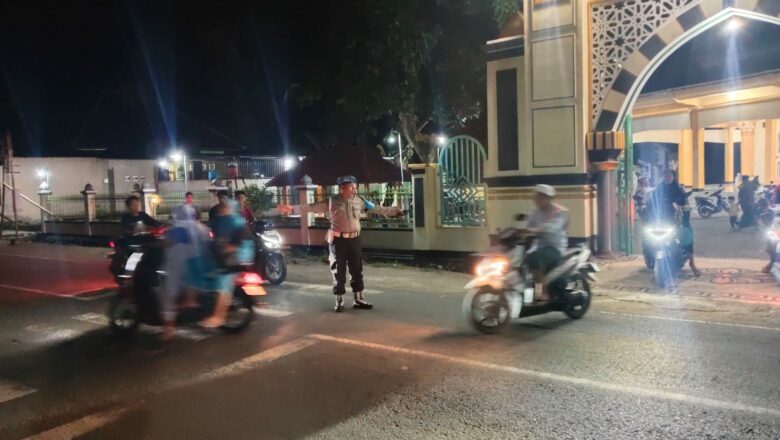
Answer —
137 76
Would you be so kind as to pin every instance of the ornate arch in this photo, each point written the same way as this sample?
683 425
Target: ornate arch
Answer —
631 38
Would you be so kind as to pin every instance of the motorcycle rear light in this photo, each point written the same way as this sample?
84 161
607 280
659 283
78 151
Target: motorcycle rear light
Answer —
111 244
250 278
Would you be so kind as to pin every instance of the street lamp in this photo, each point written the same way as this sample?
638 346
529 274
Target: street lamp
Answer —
391 139
179 156
43 174
733 25
288 163
441 140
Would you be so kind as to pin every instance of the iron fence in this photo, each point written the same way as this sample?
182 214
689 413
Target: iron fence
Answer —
166 202
67 207
109 206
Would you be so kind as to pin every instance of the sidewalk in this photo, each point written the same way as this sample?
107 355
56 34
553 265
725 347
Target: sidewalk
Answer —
735 279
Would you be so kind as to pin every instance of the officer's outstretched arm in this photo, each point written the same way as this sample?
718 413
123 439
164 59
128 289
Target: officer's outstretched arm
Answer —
386 211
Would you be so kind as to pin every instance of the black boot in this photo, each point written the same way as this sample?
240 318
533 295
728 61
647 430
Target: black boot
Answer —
339 303
360 302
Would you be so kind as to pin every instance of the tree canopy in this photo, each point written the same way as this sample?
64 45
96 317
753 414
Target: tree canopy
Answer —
398 64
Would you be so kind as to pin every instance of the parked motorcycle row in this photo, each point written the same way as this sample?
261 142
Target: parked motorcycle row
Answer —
136 264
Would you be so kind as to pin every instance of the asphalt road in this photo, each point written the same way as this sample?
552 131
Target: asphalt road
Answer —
408 369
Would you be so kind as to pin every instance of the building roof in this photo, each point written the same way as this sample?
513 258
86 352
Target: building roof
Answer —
328 164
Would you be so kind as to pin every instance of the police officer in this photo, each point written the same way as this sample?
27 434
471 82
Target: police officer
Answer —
344 245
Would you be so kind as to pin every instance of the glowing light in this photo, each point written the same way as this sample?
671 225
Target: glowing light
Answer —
391 140
177 156
732 95
288 163
162 164
733 25
42 173
441 140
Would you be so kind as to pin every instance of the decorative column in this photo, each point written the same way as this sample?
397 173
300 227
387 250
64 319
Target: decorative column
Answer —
306 197
150 200
747 149
90 206
728 163
43 199
698 152
604 148
770 150
685 158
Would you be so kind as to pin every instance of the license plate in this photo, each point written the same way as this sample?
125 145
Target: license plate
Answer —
253 290
132 262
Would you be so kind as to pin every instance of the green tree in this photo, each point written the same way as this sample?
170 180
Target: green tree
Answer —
259 199
407 61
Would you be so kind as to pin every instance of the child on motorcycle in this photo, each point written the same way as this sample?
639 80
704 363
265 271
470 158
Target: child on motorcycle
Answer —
686 237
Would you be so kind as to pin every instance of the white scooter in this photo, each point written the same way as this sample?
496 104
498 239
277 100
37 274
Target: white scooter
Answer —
503 288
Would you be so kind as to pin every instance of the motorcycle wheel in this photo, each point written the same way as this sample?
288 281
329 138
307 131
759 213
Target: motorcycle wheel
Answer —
122 315
275 269
649 260
659 278
704 212
488 311
582 286
240 314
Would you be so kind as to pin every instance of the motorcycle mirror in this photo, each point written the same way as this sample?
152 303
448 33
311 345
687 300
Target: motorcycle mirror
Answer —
520 217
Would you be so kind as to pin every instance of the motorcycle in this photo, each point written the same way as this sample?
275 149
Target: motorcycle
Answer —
269 260
137 300
503 288
662 249
124 247
707 208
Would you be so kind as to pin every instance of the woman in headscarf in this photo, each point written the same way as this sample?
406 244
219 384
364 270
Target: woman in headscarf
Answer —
186 259
232 246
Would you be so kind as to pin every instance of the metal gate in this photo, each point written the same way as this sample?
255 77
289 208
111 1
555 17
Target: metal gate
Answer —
463 200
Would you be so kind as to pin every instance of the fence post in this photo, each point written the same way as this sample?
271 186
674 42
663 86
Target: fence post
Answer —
43 198
90 206
305 198
150 200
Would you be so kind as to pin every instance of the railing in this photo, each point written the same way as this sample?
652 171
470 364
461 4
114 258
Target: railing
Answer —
67 207
401 198
165 203
108 206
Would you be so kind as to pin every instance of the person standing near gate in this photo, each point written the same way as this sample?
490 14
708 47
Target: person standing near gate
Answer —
345 251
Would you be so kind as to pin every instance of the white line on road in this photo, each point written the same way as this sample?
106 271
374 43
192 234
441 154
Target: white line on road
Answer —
82 426
74 295
645 392
61 260
10 390
272 313
697 321
95 421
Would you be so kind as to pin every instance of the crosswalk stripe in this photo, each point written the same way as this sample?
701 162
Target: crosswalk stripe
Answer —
11 390
272 313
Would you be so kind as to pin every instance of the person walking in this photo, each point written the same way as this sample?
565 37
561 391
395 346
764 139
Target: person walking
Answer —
344 246
747 201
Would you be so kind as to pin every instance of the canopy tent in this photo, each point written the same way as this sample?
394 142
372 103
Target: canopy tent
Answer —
326 165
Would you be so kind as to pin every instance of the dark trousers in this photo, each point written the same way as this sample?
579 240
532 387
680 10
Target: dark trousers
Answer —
346 253
733 221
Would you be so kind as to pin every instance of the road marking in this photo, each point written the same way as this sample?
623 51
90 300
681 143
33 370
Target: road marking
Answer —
61 260
95 421
10 390
311 288
93 318
272 313
251 362
74 295
697 321
83 425
644 392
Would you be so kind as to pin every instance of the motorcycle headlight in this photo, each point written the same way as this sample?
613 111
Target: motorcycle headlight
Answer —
772 235
273 242
659 233
492 266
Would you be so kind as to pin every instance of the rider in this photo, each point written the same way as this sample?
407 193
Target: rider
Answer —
135 220
548 223
667 197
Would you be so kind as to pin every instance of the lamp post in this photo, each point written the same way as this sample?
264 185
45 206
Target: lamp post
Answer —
179 156
394 137
43 173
